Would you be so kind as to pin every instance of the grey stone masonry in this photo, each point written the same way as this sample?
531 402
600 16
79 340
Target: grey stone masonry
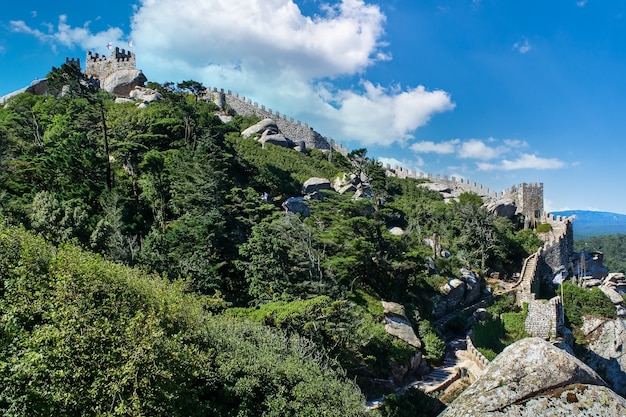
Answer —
544 318
294 130
100 66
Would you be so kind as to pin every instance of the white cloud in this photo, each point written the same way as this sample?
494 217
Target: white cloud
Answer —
446 147
69 36
264 35
383 116
581 3
525 161
486 149
272 53
515 143
414 165
523 46
476 149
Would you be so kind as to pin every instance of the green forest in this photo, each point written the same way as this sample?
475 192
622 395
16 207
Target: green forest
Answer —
612 246
144 274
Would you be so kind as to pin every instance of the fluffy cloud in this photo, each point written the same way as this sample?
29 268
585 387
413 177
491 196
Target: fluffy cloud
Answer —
447 147
525 161
64 34
383 116
269 35
522 46
477 149
414 165
270 51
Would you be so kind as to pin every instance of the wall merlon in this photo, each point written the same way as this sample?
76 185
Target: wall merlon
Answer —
100 67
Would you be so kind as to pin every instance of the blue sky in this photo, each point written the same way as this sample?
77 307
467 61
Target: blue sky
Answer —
498 92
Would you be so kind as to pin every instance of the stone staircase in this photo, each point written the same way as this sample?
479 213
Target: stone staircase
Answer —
525 294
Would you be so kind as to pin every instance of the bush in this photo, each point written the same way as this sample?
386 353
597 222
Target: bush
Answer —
544 228
411 403
434 346
579 302
491 336
82 336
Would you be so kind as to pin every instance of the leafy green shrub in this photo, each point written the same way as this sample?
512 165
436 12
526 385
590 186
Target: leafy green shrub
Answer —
487 353
499 331
434 346
504 303
579 302
544 228
412 403
82 336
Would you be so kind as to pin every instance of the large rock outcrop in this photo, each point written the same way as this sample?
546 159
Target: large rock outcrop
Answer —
606 345
265 125
123 81
462 291
505 207
534 378
398 325
315 185
268 132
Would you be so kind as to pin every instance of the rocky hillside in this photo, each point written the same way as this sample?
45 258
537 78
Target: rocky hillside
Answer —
534 378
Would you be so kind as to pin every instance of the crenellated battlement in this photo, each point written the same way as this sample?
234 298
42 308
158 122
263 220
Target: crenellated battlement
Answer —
100 66
293 129
73 61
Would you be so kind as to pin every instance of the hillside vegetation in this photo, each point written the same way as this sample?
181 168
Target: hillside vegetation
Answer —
164 272
612 246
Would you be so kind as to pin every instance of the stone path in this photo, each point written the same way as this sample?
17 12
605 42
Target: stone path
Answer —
439 378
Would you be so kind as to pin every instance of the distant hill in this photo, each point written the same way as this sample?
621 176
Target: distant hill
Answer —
595 223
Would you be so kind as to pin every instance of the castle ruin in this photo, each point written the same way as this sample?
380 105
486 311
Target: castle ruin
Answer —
101 67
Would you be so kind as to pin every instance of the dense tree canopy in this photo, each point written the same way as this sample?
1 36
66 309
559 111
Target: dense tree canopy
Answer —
172 190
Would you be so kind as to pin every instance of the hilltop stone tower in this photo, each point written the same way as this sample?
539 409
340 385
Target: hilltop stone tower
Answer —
117 74
101 67
529 202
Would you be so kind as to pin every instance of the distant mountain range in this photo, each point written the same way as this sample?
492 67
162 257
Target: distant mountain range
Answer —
594 223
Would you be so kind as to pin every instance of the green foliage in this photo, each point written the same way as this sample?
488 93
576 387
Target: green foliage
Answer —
544 228
281 262
170 188
612 246
579 302
82 336
529 240
503 303
350 331
279 170
434 345
411 403
504 327
470 198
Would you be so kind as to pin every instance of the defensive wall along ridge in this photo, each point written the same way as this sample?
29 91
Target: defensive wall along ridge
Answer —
293 129
545 318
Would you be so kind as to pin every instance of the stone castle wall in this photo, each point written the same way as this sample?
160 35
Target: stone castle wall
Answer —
544 318
527 196
529 200
452 182
101 67
293 129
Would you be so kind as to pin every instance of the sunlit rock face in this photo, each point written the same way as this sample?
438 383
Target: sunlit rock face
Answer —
534 378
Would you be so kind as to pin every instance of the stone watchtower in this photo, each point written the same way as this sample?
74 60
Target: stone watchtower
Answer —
101 67
117 74
530 203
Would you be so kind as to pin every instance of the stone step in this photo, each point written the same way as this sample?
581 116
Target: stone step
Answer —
439 375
